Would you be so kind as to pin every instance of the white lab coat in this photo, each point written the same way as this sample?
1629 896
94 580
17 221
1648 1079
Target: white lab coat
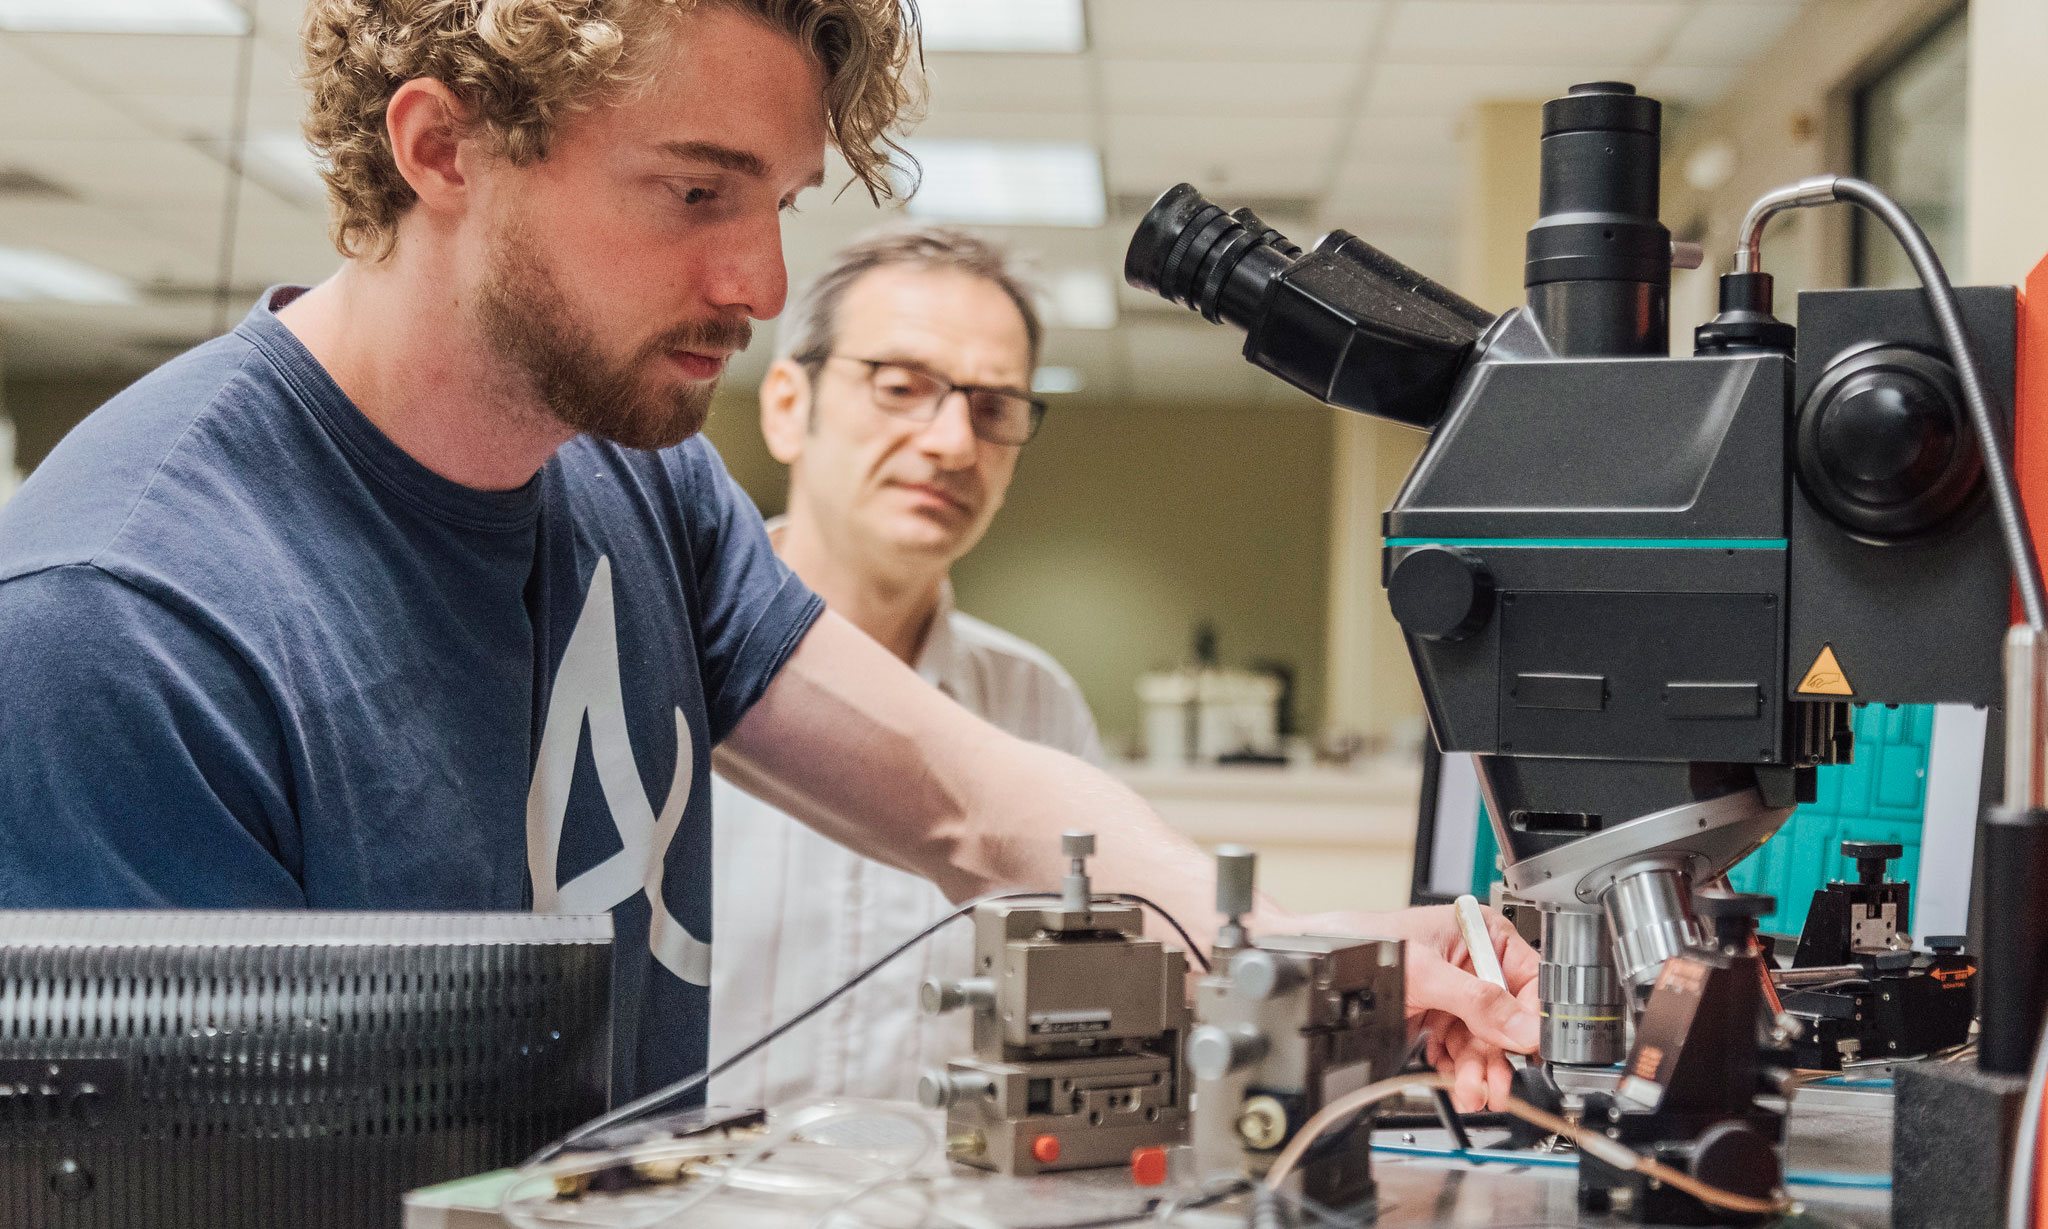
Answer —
795 914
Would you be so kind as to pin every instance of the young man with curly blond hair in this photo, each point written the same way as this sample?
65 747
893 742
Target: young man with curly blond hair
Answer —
420 590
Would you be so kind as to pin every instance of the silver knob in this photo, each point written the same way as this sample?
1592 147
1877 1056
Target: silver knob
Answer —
1686 254
1259 974
941 1090
1077 844
938 996
1215 1051
1236 878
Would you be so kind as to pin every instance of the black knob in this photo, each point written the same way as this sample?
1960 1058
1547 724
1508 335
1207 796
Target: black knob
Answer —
1440 593
1945 945
1718 904
1733 915
1871 857
1884 447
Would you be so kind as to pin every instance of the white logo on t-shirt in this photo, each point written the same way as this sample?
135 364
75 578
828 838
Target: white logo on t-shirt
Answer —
588 685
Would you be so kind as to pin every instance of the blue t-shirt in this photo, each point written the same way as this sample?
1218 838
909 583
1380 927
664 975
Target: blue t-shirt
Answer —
253 655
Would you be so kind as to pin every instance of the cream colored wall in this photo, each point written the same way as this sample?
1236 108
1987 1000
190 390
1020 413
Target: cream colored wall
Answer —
1503 166
1128 523
2007 211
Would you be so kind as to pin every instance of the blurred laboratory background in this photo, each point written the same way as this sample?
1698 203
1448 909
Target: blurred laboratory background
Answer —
1194 541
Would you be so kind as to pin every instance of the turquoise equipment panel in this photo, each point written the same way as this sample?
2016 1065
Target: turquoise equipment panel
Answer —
1880 797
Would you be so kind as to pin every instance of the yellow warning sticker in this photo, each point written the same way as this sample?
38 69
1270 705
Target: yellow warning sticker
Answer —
1825 677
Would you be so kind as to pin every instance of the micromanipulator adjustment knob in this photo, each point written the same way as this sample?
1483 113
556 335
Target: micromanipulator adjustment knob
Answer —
1237 874
938 1089
937 995
1215 1051
1259 974
1870 858
1440 593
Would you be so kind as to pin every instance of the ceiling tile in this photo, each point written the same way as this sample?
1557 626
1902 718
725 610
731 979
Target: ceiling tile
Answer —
150 63
1009 83
1291 31
1404 138
1447 89
104 238
1008 126
1687 82
201 115
1730 32
1240 154
1227 88
153 172
1523 32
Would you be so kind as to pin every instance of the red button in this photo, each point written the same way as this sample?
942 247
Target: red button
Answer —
1046 1149
1148 1166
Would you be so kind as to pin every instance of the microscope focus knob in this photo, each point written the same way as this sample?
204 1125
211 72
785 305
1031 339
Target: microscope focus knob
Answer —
1215 1051
1440 593
1870 858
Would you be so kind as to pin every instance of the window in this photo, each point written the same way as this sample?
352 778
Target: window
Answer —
1909 142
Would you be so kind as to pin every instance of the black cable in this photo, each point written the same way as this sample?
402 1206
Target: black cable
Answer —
691 1083
1948 318
1194 949
1447 1114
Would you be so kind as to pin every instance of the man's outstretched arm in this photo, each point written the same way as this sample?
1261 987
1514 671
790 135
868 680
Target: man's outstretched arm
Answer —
852 742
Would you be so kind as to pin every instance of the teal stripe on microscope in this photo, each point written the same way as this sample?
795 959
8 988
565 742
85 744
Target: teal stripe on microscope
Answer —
1621 543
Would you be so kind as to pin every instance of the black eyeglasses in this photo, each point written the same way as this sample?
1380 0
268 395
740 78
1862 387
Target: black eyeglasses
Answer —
998 415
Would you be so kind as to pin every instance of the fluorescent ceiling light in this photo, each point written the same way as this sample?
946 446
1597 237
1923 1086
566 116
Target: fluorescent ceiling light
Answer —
1003 25
1079 299
1009 183
1057 380
28 275
125 16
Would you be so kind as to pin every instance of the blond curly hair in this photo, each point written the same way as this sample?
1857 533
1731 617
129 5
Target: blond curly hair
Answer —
524 65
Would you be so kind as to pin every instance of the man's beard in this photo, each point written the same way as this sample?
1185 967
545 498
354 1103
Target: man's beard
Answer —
527 320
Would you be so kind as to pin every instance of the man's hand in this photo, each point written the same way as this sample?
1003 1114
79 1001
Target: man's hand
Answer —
1472 1024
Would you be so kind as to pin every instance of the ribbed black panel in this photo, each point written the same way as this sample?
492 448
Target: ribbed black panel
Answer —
220 1071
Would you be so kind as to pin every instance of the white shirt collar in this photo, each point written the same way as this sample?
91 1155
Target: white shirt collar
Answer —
935 658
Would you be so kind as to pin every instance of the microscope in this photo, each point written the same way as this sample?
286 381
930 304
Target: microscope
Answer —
1644 589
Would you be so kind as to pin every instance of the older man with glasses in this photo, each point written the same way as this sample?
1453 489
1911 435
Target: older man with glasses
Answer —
901 402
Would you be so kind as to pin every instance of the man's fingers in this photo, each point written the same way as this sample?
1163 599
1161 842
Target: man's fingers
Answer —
1468 1091
1518 960
1493 1015
1500 1078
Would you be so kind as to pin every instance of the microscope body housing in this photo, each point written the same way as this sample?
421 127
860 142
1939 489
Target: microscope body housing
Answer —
1642 589
1656 589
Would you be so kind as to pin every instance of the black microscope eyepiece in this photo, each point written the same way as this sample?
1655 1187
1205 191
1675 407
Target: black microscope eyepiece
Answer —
1190 251
1346 323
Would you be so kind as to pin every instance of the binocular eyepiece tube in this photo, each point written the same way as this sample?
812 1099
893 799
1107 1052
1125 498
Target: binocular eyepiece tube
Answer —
1345 323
